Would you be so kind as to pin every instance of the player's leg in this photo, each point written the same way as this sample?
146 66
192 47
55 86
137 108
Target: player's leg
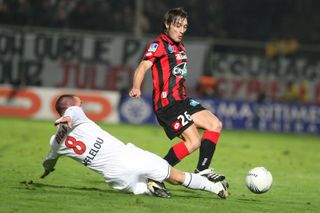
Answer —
196 181
180 150
177 121
204 119
140 167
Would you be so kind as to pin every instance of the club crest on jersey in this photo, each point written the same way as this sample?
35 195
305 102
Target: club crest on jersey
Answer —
180 70
176 125
170 49
153 47
181 55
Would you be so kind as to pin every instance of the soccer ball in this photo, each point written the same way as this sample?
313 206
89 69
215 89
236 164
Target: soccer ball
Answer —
259 180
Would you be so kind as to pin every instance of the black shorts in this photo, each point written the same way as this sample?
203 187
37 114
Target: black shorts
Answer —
176 117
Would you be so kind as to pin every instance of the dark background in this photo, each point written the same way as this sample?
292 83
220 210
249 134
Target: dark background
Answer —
260 20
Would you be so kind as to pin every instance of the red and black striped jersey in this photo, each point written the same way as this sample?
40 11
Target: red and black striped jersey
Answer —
169 70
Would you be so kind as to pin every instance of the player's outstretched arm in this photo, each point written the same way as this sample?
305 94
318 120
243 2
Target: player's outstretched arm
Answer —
48 166
64 120
45 174
139 74
51 158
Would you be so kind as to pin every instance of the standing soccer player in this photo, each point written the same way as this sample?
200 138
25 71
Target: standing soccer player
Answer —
179 115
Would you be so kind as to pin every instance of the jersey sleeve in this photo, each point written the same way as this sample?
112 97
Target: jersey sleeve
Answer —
52 156
77 115
154 51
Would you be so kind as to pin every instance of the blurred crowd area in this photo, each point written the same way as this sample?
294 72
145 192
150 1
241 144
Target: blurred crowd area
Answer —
261 20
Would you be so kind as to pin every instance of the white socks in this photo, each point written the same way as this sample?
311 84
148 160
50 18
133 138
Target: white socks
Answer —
196 181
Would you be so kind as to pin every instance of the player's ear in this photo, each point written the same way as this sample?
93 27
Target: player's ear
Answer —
167 25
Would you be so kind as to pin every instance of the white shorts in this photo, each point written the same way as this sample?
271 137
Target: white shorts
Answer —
130 170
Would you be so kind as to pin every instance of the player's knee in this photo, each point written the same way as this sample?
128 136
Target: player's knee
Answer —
219 126
194 147
215 126
194 144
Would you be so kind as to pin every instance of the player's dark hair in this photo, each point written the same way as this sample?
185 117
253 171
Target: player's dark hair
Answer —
172 15
63 102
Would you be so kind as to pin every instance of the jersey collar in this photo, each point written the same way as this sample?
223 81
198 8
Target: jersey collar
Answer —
168 39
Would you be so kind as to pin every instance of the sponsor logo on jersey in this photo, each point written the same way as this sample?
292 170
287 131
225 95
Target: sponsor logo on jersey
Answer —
181 55
61 133
153 47
176 125
180 70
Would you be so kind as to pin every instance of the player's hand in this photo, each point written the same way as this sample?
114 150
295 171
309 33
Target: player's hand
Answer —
46 173
64 120
135 93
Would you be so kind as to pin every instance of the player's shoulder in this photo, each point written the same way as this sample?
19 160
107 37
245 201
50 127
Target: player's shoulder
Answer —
158 39
155 48
155 45
72 109
182 46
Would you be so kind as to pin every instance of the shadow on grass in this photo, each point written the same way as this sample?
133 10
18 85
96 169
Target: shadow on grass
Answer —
34 185
248 200
193 194
176 193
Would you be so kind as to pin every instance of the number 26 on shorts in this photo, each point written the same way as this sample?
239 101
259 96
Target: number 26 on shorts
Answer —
184 118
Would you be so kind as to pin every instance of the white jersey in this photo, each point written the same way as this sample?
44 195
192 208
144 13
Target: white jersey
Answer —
124 167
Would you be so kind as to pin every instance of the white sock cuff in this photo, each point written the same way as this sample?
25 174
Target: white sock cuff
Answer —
187 180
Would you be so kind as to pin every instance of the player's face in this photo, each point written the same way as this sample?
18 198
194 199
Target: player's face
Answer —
177 29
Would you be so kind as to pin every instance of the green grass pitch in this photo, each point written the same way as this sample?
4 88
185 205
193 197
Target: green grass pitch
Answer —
292 159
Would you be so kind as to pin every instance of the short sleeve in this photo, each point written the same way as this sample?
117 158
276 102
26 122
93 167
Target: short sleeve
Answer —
154 51
77 115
